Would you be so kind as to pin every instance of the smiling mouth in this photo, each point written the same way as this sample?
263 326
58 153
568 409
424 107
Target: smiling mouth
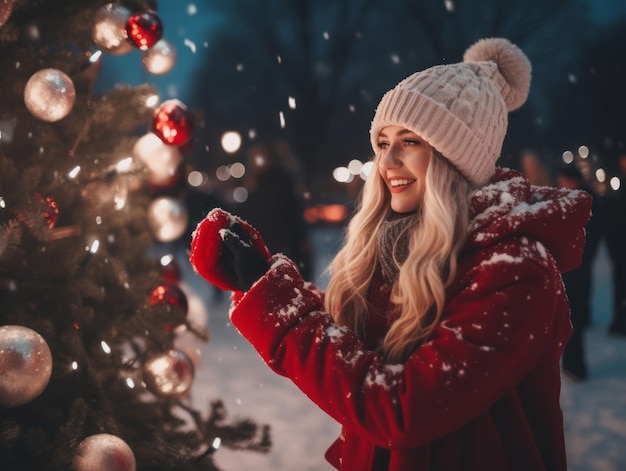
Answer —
400 182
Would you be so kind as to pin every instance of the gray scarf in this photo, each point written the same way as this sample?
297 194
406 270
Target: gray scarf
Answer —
393 243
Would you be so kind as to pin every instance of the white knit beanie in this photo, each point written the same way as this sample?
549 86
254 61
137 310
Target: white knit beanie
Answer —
461 109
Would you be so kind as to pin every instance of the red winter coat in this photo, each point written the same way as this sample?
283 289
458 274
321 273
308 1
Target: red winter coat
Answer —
483 392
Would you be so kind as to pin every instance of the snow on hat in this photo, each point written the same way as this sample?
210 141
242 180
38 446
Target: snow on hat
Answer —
461 109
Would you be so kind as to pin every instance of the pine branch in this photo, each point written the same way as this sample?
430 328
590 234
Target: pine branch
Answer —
10 237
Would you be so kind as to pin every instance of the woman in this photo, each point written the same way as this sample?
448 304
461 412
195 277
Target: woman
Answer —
436 345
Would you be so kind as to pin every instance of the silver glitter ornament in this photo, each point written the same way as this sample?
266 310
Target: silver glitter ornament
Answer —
161 160
49 95
160 58
25 365
104 452
109 29
169 374
167 218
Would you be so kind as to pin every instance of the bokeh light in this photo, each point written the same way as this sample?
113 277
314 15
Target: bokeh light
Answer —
342 174
237 170
615 183
240 194
568 157
231 141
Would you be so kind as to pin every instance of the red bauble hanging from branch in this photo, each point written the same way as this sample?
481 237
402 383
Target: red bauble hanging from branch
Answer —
170 269
49 209
170 295
144 29
173 123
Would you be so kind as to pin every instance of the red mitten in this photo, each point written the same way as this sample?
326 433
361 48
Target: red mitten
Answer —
207 244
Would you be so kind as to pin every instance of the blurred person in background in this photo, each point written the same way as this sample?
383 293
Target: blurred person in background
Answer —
534 169
578 282
615 232
275 203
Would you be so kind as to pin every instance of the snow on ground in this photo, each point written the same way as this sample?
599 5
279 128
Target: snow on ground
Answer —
230 369
595 411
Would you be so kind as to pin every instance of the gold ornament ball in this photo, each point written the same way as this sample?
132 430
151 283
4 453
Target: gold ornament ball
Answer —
161 160
104 452
49 95
169 374
160 58
109 29
167 218
187 342
25 365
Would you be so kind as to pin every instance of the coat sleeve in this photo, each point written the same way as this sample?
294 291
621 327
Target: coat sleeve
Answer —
493 334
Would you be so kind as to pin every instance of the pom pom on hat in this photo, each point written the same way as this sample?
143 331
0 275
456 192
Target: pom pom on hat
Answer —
512 64
461 109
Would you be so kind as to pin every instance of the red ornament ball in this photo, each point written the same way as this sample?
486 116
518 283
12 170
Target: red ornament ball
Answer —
170 295
49 209
144 30
173 123
170 269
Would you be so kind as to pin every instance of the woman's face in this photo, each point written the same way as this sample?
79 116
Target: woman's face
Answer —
403 160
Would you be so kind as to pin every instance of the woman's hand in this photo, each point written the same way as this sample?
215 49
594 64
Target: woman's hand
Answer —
228 252
240 258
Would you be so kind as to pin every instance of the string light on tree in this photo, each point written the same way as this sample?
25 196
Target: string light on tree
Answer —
109 29
160 58
25 363
104 452
144 29
49 95
172 122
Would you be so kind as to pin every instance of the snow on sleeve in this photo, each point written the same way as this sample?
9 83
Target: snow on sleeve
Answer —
498 197
387 377
501 257
292 309
541 249
349 355
456 331
529 250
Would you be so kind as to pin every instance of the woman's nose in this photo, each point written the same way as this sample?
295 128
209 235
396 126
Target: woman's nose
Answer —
389 159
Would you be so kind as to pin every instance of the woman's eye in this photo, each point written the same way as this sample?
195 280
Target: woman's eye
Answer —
411 142
383 145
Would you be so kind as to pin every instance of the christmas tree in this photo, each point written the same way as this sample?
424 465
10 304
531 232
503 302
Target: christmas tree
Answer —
93 369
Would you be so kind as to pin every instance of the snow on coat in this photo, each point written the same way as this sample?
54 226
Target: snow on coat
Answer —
483 391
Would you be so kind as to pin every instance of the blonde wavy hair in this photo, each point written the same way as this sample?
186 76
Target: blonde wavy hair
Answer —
418 295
